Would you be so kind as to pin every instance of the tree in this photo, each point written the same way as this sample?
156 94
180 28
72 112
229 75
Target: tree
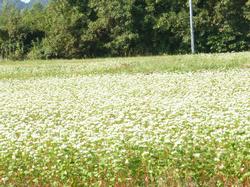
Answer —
61 30
110 28
12 33
221 26
91 28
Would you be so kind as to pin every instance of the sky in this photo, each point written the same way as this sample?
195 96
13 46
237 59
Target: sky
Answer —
26 1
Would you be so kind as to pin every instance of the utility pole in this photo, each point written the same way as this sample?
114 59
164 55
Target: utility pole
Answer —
191 26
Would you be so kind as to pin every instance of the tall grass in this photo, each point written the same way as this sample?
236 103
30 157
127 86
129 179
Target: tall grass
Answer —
68 68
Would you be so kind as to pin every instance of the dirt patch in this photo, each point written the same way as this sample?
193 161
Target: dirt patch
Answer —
245 66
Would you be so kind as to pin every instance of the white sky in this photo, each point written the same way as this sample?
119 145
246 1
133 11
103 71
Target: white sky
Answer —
26 1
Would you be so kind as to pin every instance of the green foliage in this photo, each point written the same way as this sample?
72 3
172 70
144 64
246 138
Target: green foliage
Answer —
110 28
91 28
222 25
61 27
18 30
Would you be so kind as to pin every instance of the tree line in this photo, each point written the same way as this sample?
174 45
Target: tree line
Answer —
99 28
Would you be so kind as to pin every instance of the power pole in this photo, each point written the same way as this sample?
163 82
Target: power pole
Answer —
191 26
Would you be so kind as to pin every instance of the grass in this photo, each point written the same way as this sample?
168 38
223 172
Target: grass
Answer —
69 68
141 121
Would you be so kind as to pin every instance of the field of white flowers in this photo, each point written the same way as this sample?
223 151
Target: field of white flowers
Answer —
159 129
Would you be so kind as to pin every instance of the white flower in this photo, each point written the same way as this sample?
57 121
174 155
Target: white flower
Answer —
197 155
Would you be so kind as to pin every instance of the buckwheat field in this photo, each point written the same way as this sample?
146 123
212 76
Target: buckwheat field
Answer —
159 128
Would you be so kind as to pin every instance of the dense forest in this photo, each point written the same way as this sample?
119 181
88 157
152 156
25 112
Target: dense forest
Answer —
97 28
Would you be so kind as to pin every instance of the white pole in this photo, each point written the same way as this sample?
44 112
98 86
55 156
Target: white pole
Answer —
191 26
